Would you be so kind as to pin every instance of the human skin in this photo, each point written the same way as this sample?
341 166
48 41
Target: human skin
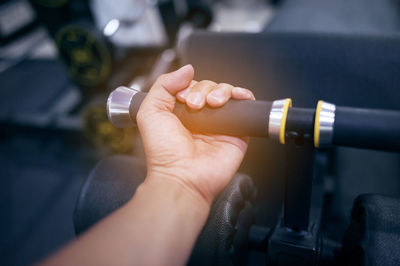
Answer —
185 172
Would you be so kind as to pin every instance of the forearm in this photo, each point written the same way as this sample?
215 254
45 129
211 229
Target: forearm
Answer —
158 226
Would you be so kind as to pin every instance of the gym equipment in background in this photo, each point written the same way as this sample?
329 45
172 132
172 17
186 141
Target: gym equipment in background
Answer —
102 134
103 44
17 18
82 49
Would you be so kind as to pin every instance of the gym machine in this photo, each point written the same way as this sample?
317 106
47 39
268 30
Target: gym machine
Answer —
297 237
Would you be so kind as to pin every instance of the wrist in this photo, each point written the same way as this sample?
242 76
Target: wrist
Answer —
170 188
182 180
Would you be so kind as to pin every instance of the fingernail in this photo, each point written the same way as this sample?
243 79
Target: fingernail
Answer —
195 98
243 92
218 95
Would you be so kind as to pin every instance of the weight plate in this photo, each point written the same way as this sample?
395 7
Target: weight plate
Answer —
102 134
87 57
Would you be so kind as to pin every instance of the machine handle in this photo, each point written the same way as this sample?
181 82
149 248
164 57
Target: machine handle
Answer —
237 118
327 125
367 128
356 127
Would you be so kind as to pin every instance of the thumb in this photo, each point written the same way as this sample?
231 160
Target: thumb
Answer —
162 94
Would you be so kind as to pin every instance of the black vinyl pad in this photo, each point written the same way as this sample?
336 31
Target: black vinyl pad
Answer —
110 184
114 181
373 237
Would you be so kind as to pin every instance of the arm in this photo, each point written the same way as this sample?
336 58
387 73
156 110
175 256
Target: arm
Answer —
160 224
157 227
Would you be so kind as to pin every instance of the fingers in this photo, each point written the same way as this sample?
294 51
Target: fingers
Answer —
197 94
181 96
239 93
196 98
220 95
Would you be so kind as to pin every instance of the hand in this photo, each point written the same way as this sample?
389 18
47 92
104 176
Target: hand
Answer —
203 164
185 172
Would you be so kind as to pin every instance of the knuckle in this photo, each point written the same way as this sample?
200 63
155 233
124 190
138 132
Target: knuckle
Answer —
224 86
206 82
206 86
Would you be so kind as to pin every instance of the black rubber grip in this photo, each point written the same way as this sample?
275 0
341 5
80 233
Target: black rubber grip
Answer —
353 127
367 128
236 118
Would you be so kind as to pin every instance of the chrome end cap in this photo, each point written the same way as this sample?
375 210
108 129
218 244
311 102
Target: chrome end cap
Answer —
118 105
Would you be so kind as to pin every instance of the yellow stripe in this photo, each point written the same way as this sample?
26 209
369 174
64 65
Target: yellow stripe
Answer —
288 104
316 124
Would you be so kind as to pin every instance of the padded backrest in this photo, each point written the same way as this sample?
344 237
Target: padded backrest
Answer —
346 69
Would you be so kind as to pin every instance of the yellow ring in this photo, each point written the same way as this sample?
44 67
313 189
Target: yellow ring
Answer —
286 106
316 123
